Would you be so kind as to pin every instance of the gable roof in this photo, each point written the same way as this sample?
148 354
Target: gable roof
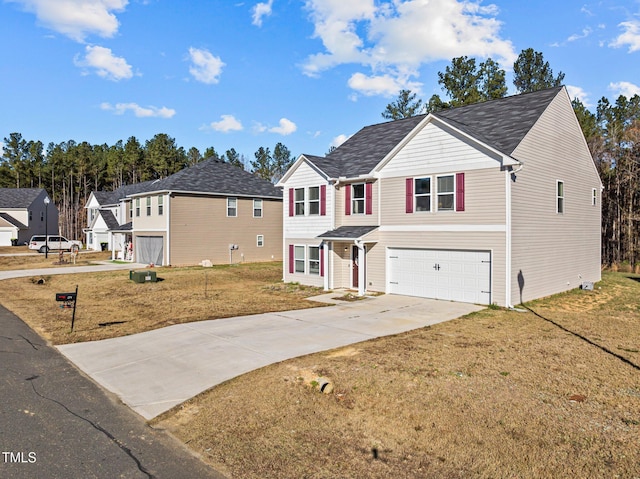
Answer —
217 177
106 198
12 221
109 219
501 124
18 197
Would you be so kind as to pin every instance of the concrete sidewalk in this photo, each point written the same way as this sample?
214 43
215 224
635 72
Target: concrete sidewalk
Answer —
154 371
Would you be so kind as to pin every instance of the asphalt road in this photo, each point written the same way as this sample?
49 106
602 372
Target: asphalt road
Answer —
56 423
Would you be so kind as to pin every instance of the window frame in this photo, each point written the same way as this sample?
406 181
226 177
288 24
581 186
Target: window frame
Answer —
148 205
560 197
160 205
451 193
234 207
299 261
594 197
314 203
357 200
259 241
298 202
138 207
417 195
313 271
256 209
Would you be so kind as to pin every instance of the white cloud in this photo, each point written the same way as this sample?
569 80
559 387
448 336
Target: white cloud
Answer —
205 67
285 127
261 10
106 64
394 39
225 125
339 140
631 36
387 84
580 94
577 36
140 112
625 88
77 18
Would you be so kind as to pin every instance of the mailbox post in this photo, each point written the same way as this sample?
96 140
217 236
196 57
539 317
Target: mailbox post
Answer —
69 300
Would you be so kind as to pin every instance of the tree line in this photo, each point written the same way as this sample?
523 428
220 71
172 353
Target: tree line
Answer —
612 133
70 171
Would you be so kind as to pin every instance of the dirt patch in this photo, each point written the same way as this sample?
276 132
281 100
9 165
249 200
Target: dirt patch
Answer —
494 394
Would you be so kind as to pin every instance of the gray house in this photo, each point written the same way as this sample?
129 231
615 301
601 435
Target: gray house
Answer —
23 213
497 202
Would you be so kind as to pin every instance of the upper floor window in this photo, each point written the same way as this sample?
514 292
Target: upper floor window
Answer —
357 199
423 194
232 207
148 205
560 196
160 205
314 200
446 193
298 199
130 209
257 208
30 215
137 206
594 197
42 216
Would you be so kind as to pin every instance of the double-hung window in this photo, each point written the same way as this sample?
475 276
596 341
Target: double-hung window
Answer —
232 207
257 208
446 193
423 194
299 259
314 200
560 196
357 199
137 206
148 205
260 241
298 199
594 197
160 205
314 260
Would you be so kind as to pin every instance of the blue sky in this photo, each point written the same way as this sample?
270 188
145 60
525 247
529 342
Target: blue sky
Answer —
307 73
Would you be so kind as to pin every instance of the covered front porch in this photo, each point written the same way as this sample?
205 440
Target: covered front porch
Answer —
345 257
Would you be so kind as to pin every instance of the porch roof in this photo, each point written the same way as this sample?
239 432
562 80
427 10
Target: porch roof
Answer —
125 228
11 220
348 233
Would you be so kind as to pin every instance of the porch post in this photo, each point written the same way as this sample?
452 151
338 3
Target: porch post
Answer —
362 287
326 250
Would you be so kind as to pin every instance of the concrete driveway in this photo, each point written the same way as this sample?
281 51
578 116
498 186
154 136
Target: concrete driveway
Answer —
152 372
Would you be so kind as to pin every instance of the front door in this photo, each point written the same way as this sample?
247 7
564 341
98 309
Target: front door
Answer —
354 267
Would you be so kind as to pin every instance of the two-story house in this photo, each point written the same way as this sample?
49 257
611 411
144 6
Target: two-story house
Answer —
211 211
24 212
496 202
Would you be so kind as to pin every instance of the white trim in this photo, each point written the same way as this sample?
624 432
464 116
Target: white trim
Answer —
236 207
168 216
304 258
558 197
325 245
507 239
437 195
443 228
261 207
258 242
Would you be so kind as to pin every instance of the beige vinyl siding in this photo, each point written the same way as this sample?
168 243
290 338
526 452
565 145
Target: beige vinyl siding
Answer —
438 149
154 222
340 265
302 278
359 219
201 230
472 241
554 252
484 201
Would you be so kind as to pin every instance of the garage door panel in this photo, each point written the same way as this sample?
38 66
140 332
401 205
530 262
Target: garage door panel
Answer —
455 275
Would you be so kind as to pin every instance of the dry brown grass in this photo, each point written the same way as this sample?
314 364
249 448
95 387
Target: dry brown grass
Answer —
110 305
495 394
25 258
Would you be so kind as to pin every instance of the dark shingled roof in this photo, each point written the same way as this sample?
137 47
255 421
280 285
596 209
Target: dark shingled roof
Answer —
501 124
217 177
11 220
125 227
18 197
109 219
348 232
114 197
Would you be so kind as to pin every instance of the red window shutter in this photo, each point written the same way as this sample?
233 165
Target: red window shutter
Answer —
291 259
409 195
347 200
323 200
368 198
459 191
290 201
321 260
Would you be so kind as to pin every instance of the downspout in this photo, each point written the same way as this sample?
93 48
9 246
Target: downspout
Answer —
508 226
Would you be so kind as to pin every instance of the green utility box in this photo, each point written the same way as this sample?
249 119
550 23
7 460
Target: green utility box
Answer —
143 276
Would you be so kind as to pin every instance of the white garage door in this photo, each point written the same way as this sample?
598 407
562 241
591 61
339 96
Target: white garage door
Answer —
5 238
452 275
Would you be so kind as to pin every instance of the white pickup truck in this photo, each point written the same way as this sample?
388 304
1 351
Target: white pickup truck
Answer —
52 242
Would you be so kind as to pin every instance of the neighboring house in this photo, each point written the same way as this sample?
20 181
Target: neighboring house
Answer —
109 219
23 213
497 202
211 211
